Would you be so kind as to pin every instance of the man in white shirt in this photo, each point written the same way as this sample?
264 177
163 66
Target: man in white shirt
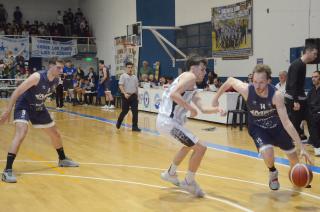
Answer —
128 84
281 86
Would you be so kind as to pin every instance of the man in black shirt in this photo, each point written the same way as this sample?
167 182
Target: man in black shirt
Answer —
313 109
17 15
295 98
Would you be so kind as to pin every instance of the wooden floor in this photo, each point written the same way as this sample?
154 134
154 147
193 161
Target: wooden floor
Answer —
120 170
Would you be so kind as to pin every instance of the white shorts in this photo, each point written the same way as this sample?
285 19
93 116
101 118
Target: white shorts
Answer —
167 126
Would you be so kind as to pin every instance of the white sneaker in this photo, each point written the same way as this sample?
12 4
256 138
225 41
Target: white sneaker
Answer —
67 162
192 188
112 107
105 107
170 178
273 180
8 176
317 152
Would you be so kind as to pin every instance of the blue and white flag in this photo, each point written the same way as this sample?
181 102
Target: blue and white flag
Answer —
16 45
50 48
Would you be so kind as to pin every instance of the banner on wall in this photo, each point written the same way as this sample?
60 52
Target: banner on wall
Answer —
50 48
125 52
232 30
18 46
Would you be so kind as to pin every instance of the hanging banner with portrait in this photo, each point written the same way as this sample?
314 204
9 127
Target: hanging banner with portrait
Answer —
125 51
14 47
232 30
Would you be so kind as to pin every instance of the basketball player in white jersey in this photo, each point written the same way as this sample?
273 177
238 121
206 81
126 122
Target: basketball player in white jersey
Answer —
172 115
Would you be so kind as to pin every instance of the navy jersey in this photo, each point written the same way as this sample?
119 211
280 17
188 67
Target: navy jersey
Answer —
69 72
35 97
262 112
107 72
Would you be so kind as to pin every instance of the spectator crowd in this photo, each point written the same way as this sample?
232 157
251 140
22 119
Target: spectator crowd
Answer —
67 23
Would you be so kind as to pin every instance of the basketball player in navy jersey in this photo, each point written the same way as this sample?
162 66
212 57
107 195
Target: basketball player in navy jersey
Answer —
105 82
176 102
68 86
29 99
269 124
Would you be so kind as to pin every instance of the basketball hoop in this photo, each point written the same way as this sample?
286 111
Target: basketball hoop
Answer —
134 34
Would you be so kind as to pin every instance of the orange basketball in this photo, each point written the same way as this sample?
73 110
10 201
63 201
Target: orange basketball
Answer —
300 175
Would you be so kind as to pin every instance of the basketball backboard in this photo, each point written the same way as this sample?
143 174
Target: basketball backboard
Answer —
134 34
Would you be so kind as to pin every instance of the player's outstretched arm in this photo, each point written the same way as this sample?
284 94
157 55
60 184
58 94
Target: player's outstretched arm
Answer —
28 83
206 109
278 100
236 84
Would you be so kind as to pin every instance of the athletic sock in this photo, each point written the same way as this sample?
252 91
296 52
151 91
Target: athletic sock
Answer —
190 177
272 169
172 169
61 154
10 159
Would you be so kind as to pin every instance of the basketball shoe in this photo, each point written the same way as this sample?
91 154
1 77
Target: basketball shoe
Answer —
67 162
170 178
192 188
8 176
273 180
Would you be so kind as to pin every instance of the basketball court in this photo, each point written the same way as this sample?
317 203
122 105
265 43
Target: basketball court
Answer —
120 169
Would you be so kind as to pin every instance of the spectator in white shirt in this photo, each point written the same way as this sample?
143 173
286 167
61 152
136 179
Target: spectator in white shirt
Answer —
59 17
281 86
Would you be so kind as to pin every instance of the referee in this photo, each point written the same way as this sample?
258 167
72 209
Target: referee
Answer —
128 84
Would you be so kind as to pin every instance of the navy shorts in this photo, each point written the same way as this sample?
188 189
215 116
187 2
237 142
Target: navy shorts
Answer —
68 84
38 119
271 137
107 85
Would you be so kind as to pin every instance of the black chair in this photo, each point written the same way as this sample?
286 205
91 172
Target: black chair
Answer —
240 111
117 100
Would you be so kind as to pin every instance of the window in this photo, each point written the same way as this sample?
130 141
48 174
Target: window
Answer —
195 38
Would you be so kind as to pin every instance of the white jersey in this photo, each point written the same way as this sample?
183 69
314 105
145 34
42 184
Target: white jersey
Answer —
171 109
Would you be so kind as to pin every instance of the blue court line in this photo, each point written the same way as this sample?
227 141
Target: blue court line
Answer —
210 145
154 132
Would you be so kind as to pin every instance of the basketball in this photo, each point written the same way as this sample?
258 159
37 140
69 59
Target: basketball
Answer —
300 175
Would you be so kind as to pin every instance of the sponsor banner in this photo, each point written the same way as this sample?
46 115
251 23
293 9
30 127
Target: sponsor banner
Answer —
50 48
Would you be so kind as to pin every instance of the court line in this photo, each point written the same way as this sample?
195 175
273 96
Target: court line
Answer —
105 120
140 184
247 153
77 119
160 169
251 154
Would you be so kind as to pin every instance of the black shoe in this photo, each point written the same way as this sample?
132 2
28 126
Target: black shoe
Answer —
136 129
118 125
